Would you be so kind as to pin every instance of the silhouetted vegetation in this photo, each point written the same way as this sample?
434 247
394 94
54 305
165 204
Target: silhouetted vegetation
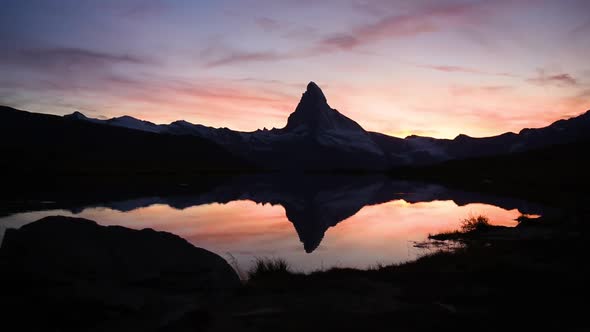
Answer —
475 223
233 262
529 276
471 224
269 267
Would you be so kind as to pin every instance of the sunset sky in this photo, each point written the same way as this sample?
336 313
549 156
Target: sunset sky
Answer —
431 67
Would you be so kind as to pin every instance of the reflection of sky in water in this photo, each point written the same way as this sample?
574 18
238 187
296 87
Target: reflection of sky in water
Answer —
376 234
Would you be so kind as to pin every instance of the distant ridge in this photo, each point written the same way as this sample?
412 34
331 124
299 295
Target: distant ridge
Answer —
40 144
318 137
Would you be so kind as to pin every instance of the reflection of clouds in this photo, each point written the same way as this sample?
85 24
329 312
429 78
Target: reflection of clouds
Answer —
378 233
355 221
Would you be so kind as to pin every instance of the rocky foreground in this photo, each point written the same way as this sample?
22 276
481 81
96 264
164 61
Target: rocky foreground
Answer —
63 273
72 275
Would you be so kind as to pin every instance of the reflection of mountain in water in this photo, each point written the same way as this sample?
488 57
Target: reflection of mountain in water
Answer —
315 203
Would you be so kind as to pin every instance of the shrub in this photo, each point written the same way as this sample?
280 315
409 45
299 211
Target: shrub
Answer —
474 223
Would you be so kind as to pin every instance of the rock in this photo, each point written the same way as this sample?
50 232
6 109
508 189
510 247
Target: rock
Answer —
108 274
64 248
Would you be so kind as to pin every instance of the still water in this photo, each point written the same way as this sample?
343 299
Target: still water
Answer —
359 225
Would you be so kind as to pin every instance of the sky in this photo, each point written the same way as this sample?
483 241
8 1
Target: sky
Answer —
424 67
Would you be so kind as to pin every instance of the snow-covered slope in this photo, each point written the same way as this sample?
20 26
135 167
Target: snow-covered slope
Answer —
317 136
123 121
133 123
314 117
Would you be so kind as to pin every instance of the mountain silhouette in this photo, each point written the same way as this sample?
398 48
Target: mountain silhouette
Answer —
318 137
37 144
313 111
314 117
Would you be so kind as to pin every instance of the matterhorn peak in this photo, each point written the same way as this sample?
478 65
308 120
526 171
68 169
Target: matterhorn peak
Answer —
314 93
311 108
314 114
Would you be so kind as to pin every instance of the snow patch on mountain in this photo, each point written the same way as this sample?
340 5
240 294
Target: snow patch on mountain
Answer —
342 141
315 118
133 123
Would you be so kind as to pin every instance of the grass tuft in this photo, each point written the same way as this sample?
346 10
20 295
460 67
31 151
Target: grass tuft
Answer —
233 262
269 267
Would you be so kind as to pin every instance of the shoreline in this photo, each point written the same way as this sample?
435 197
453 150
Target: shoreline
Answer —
499 276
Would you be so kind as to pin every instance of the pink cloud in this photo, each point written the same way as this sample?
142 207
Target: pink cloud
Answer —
563 79
423 20
390 27
418 21
461 69
240 57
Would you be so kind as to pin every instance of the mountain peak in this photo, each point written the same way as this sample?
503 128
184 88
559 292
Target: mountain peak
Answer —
462 137
314 118
314 92
76 115
313 113
125 120
308 112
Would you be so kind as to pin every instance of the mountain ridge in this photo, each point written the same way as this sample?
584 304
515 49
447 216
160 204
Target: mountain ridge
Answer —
36 144
317 136
80 116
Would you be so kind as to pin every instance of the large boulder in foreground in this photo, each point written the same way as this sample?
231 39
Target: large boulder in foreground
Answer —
71 273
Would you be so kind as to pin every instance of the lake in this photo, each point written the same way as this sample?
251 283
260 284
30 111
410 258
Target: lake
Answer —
313 222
